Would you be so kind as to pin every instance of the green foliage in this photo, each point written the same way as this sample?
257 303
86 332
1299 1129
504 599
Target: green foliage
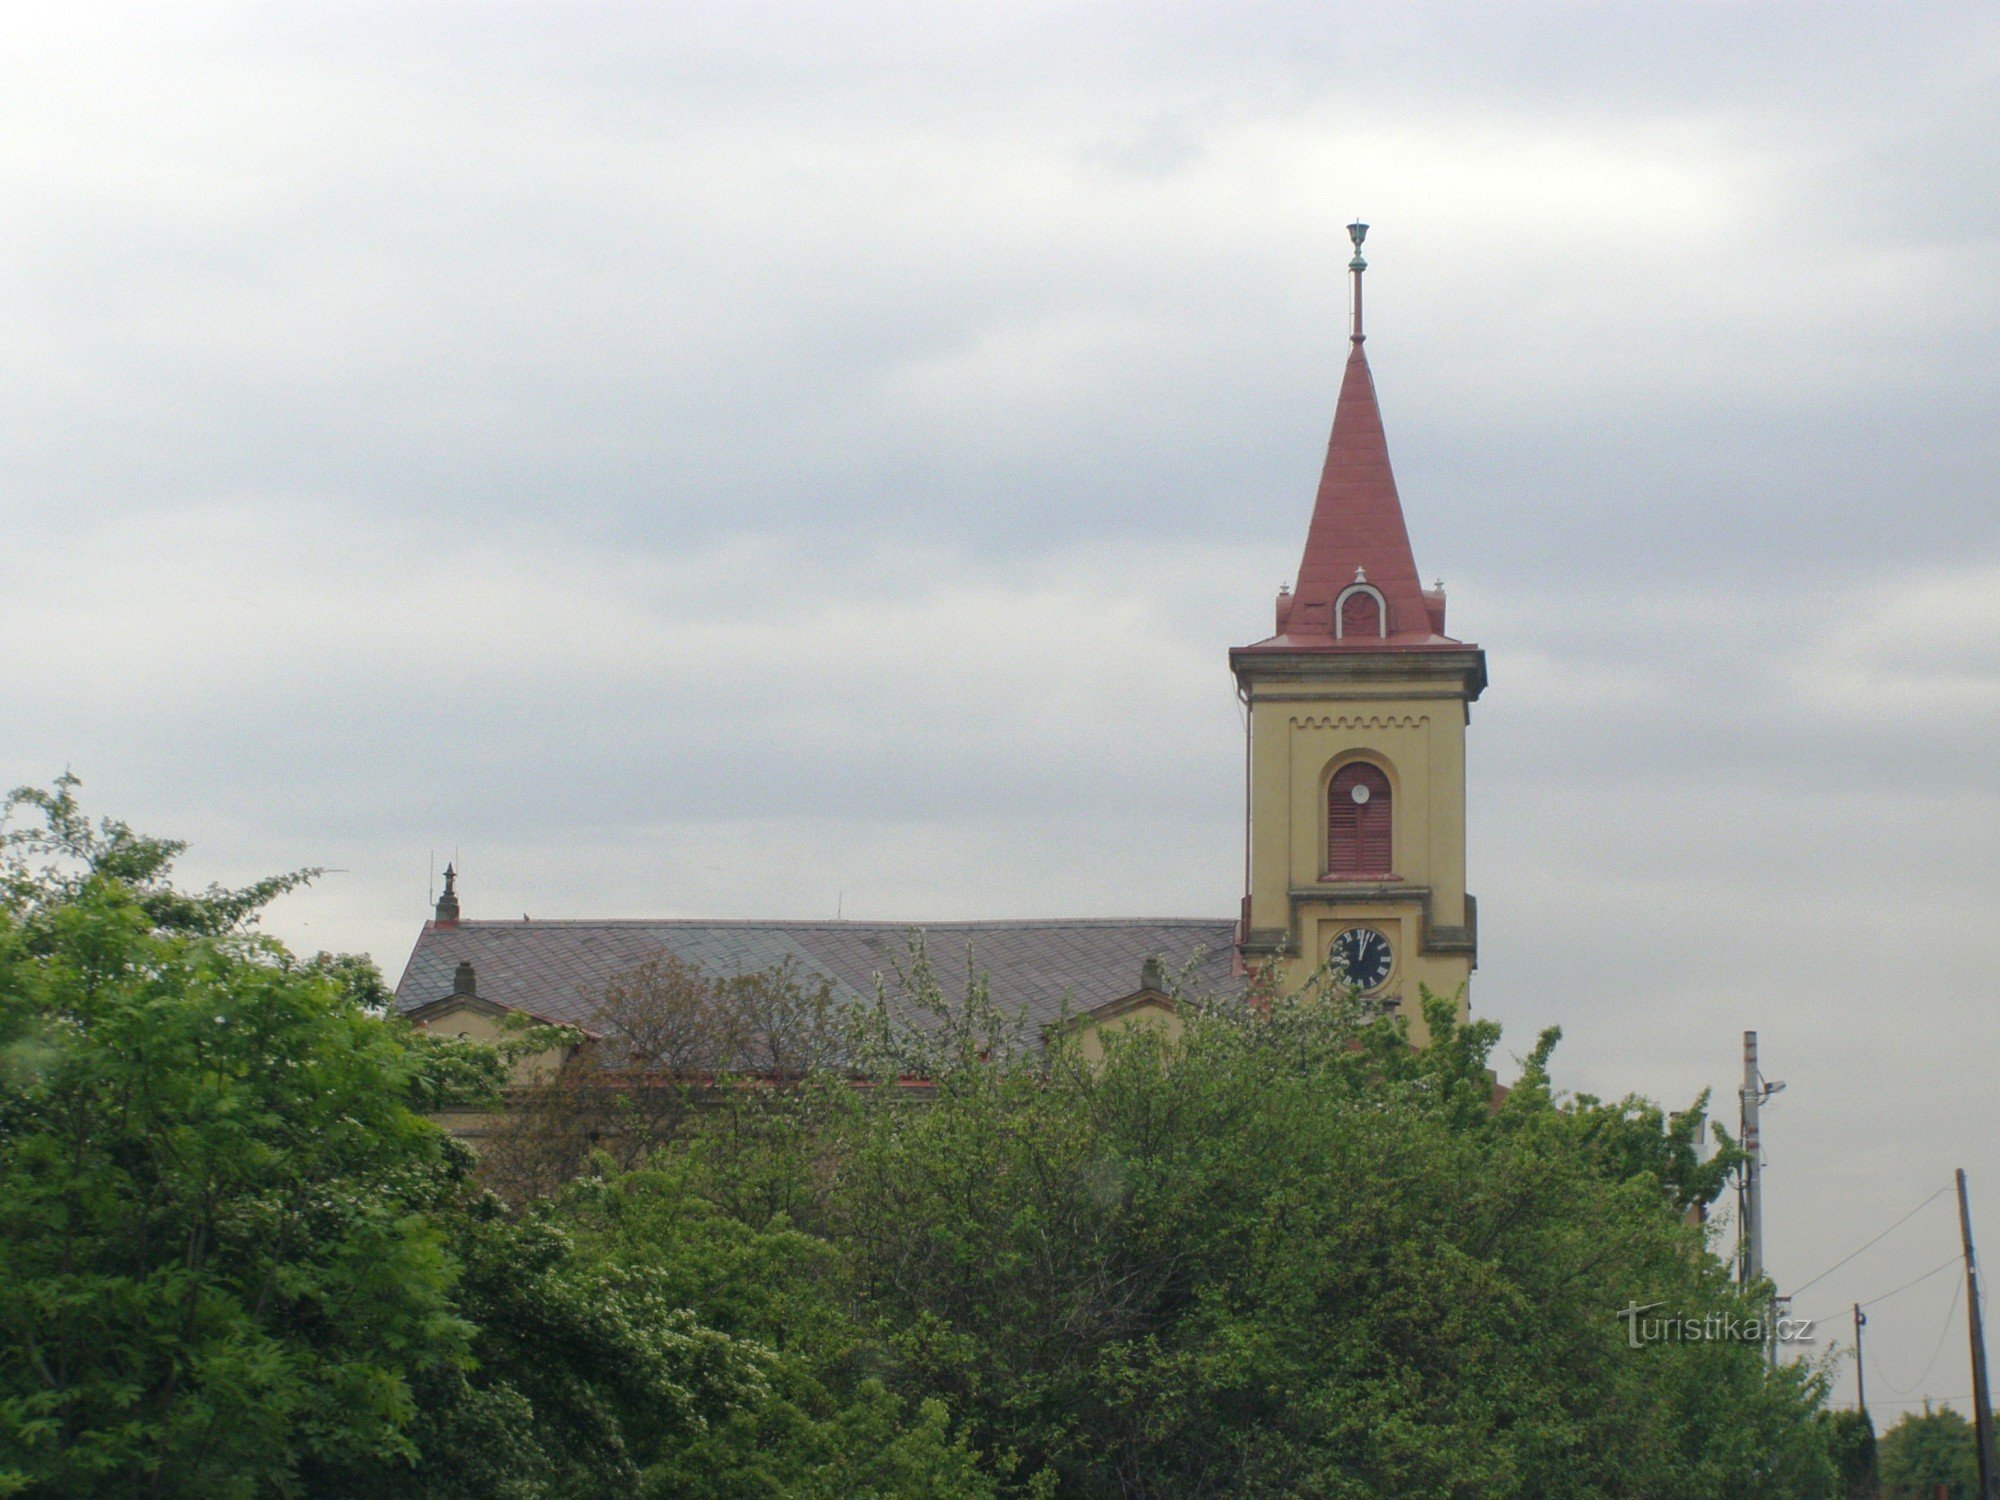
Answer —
58 857
1288 1254
1283 1254
1927 1449
1635 1138
1851 1441
824 1427
235 1258
213 1256
582 1373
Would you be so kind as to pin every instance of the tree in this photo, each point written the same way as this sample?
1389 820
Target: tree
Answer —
235 1258
1927 1449
824 1426
582 1375
1851 1440
1635 1137
211 1256
1287 1254
665 1039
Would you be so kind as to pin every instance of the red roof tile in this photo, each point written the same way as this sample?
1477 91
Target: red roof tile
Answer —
1358 535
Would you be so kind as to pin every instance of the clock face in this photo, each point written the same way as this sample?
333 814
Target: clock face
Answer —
1362 956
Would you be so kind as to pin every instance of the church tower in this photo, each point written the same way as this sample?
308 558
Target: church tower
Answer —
1357 713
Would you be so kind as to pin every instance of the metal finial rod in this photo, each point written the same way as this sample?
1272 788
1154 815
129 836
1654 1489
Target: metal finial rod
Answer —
1357 231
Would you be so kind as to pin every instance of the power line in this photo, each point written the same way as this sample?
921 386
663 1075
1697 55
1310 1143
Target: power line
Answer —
1933 1271
1876 1241
1957 1291
1938 1269
1908 1284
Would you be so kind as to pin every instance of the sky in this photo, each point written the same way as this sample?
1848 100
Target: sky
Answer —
792 459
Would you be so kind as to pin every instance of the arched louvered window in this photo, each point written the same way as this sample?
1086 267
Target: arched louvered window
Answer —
1357 821
1360 615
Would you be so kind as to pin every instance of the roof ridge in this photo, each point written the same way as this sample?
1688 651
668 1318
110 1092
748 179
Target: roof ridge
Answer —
834 924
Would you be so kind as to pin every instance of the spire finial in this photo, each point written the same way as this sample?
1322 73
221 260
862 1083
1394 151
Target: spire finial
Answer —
1357 231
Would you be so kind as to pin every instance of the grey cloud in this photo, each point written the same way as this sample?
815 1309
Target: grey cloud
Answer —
696 266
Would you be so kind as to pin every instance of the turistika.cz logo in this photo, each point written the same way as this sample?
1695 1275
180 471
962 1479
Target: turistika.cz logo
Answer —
1713 1328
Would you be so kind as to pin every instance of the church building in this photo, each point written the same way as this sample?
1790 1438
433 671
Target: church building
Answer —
1357 707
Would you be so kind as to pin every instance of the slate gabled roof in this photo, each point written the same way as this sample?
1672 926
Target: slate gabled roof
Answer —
556 969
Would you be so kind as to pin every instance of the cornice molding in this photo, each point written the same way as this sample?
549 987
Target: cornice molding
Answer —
1463 667
1432 938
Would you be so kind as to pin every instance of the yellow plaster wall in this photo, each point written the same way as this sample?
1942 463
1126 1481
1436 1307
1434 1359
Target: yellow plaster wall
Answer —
1156 1014
475 1025
471 1125
1303 728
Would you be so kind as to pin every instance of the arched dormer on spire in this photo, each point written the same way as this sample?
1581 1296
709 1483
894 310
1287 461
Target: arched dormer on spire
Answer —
1360 612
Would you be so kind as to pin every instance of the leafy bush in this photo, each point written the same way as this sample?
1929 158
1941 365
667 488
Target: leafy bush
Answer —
1926 1450
1281 1253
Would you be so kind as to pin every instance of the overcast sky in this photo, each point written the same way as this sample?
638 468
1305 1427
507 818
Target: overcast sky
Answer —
765 461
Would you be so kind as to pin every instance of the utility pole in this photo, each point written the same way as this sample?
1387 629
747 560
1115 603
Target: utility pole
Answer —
1750 1187
1982 1402
1860 1374
1749 1198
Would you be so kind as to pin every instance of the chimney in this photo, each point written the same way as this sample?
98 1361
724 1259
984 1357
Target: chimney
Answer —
447 912
462 982
1153 976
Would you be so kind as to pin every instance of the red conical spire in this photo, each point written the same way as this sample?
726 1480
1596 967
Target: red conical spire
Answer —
1357 541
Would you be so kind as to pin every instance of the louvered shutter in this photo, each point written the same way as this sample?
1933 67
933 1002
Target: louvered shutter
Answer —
1360 616
1358 833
